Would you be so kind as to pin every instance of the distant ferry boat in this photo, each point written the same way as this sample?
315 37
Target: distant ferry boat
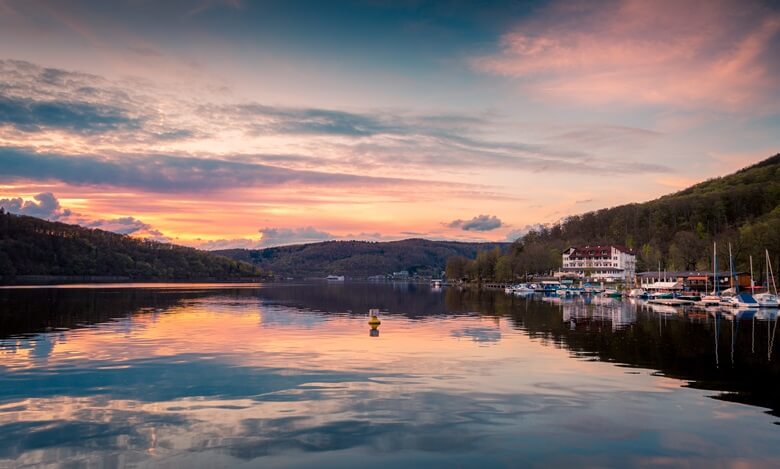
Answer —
335 278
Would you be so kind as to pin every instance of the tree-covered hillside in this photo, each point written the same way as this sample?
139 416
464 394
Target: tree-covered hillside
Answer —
359 258
31 246
676 230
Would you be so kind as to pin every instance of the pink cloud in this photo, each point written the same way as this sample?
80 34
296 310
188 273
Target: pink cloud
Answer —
711 54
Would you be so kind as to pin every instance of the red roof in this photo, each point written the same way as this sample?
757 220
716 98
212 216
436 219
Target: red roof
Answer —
596 250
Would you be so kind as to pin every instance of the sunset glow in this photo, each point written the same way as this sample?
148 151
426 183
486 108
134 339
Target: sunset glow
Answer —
247 124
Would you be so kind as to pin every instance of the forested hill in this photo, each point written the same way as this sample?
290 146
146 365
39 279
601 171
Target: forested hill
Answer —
678 229
31 246
359 258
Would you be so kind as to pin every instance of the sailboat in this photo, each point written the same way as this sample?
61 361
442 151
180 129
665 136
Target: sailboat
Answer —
768 300
739 300
713 299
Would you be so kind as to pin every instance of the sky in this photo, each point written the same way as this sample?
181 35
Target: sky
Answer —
237 123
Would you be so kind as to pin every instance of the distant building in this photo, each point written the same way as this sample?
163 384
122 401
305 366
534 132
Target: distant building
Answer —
607 262
692 280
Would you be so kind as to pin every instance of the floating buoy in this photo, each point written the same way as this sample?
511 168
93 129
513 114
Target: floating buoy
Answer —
373 318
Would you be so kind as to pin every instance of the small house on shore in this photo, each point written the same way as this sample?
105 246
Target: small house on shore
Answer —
691 280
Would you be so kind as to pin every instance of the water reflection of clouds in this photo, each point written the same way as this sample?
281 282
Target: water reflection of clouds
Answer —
225 379
279 316
481 334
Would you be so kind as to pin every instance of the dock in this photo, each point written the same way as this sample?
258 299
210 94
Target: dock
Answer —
671 302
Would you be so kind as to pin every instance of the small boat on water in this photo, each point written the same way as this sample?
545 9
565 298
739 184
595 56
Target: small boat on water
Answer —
661 295
335 278
737 300
766 300
611 293
740 300
547 287
520 289
709 300
639 293
688 296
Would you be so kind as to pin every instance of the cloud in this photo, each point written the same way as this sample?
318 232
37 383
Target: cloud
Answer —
130 118
478 223
30 116
308 121
128 226
518 233
47 206
44 205
271 237
163 173
282 236
714 54
38 99
234 243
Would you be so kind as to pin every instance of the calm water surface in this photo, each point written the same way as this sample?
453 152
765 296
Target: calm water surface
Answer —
289 375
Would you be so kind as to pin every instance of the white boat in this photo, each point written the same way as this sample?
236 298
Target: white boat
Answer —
767 300
335 278
522 289
710 300
737 300
637 293
611 293
740 300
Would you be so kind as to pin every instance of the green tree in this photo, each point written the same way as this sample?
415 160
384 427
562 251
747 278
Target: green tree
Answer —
504 271
686 250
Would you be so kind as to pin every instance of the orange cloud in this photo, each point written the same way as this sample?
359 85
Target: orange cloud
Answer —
713 54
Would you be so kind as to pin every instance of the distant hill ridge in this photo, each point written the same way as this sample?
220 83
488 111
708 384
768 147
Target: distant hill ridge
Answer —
58 251
359 258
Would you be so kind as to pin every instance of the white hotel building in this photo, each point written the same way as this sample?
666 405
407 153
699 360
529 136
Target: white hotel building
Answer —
611 262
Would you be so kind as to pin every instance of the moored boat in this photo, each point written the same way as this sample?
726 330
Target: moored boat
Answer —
740 300
766 300
688 296
710 300
611 293
661 295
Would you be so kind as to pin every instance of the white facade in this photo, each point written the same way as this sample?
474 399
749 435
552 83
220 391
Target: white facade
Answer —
600 262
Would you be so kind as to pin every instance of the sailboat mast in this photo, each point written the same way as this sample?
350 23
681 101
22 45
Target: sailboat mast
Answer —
731 271
771 272
766 260
715 267
752 282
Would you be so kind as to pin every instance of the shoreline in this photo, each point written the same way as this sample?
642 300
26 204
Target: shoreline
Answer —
64 280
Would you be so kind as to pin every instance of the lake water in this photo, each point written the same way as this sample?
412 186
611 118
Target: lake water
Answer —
290 375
